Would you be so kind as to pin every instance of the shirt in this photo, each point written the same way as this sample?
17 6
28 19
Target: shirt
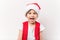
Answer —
31 31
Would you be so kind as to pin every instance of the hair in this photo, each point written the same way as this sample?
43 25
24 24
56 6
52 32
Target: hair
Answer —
29 11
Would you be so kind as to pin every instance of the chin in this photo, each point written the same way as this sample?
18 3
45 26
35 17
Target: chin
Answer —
32 21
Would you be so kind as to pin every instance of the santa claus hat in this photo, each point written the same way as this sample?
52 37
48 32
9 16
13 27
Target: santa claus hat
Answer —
33 6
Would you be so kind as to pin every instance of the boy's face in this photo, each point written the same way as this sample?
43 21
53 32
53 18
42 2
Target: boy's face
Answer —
32 16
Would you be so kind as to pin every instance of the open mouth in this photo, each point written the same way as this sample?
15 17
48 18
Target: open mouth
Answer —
32 18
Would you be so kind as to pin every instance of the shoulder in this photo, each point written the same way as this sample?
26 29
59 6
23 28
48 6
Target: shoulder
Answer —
25 22
42 27
21 25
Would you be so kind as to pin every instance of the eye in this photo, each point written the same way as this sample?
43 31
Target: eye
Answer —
34 13
29 13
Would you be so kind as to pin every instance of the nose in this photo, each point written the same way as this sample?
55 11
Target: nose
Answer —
32 15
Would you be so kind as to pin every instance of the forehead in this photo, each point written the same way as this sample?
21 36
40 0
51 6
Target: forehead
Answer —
32 11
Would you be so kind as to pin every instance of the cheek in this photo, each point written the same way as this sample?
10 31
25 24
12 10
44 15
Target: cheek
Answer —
36 16
27 16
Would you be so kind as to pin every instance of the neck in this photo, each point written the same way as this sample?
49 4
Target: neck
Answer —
32 24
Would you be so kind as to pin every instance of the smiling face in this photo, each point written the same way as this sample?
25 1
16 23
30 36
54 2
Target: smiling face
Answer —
31 16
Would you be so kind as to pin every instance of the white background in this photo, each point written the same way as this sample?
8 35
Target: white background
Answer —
11 14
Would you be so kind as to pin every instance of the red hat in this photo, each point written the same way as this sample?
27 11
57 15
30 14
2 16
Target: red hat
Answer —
33 6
